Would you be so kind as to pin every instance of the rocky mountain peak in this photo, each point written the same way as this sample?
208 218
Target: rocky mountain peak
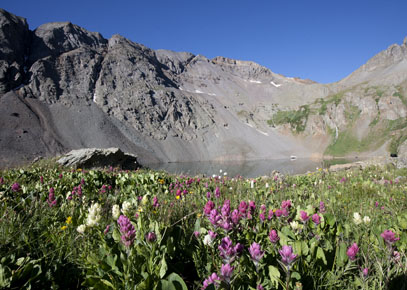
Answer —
59 37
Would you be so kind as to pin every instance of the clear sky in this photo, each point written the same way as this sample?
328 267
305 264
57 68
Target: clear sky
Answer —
320 40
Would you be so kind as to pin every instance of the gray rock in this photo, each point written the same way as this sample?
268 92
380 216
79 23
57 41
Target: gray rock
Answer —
99 158
14 38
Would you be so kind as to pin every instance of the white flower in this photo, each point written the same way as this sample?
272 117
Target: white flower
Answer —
225 173
144 200
126 206
81 229
357 219
267 185
220 171
116 211
295 225
366 219
93 215
207 240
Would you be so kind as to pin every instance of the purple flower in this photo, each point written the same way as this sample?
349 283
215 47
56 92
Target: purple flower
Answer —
208 195
396 256
107 229
321 207
286 204
260 287
209 206
155 202
273 236
217 192
285 212
235 216
278 212
1 180
238 249
365 272
316 219
226 272
287 255
226 249
196 234
214 217
243 208
151 237
252 206
256 253
127 229
226 225
389 237
51 198
212 234
15 187
304 216
343 180
376 204
352 251
212 279
226 208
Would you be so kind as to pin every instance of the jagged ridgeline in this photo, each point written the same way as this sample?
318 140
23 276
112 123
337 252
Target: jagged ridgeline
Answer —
63 87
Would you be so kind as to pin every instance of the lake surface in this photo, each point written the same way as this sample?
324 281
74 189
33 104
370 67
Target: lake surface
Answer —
246 169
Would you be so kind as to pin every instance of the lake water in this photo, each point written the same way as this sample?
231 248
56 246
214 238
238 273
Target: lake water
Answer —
246 169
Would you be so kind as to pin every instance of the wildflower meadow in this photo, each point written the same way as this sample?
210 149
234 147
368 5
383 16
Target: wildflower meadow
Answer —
64 228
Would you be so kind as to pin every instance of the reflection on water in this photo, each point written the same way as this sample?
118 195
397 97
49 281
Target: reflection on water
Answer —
244 168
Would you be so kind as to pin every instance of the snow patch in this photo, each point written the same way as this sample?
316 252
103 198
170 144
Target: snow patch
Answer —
199 92
254 81
261 132
211 94
274 84
250 125
181 89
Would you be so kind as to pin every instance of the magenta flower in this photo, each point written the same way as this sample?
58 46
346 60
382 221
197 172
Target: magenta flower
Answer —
1 180
226 208
235 216
127 229
352 251
15 187
217 192
151 237
389 237
212 279
271 213
278 213
287 256
243 208
196 234
286 204
51 198
212 234
260 287
226 272
252 206
208 207
214 217
238 249
106 230
376 204
316 219
304 216
208 196
156 204
256 253
365 272
273 236
285 212
321 207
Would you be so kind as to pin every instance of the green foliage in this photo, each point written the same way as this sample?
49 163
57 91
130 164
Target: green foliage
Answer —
297 119
41 247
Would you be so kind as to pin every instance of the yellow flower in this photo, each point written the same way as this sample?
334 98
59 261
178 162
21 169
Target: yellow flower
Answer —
69 220
177 197
140 209
79 169
161 181
64 228
154 211
199 215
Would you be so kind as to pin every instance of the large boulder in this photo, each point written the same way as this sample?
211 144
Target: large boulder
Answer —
99 158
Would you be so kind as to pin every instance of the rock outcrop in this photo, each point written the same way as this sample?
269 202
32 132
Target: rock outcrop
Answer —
99 158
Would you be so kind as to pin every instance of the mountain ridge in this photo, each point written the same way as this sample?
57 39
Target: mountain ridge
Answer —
165 105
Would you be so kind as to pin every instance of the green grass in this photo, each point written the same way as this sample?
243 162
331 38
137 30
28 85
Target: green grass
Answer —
296 118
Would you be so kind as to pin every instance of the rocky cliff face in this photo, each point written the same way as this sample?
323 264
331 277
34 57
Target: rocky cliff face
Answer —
87 91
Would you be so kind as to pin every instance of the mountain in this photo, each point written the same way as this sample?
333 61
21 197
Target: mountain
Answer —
63 87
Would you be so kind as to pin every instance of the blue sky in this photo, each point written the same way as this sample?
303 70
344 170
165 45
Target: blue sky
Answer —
320 40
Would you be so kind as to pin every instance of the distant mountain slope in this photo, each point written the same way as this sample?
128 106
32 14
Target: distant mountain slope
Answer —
161 105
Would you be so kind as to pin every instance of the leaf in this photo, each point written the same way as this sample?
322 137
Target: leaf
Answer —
296 275
274 275
177 281
297 248
321 255
342 257
163 268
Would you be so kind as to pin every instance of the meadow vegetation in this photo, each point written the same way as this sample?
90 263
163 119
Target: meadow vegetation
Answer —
110 229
